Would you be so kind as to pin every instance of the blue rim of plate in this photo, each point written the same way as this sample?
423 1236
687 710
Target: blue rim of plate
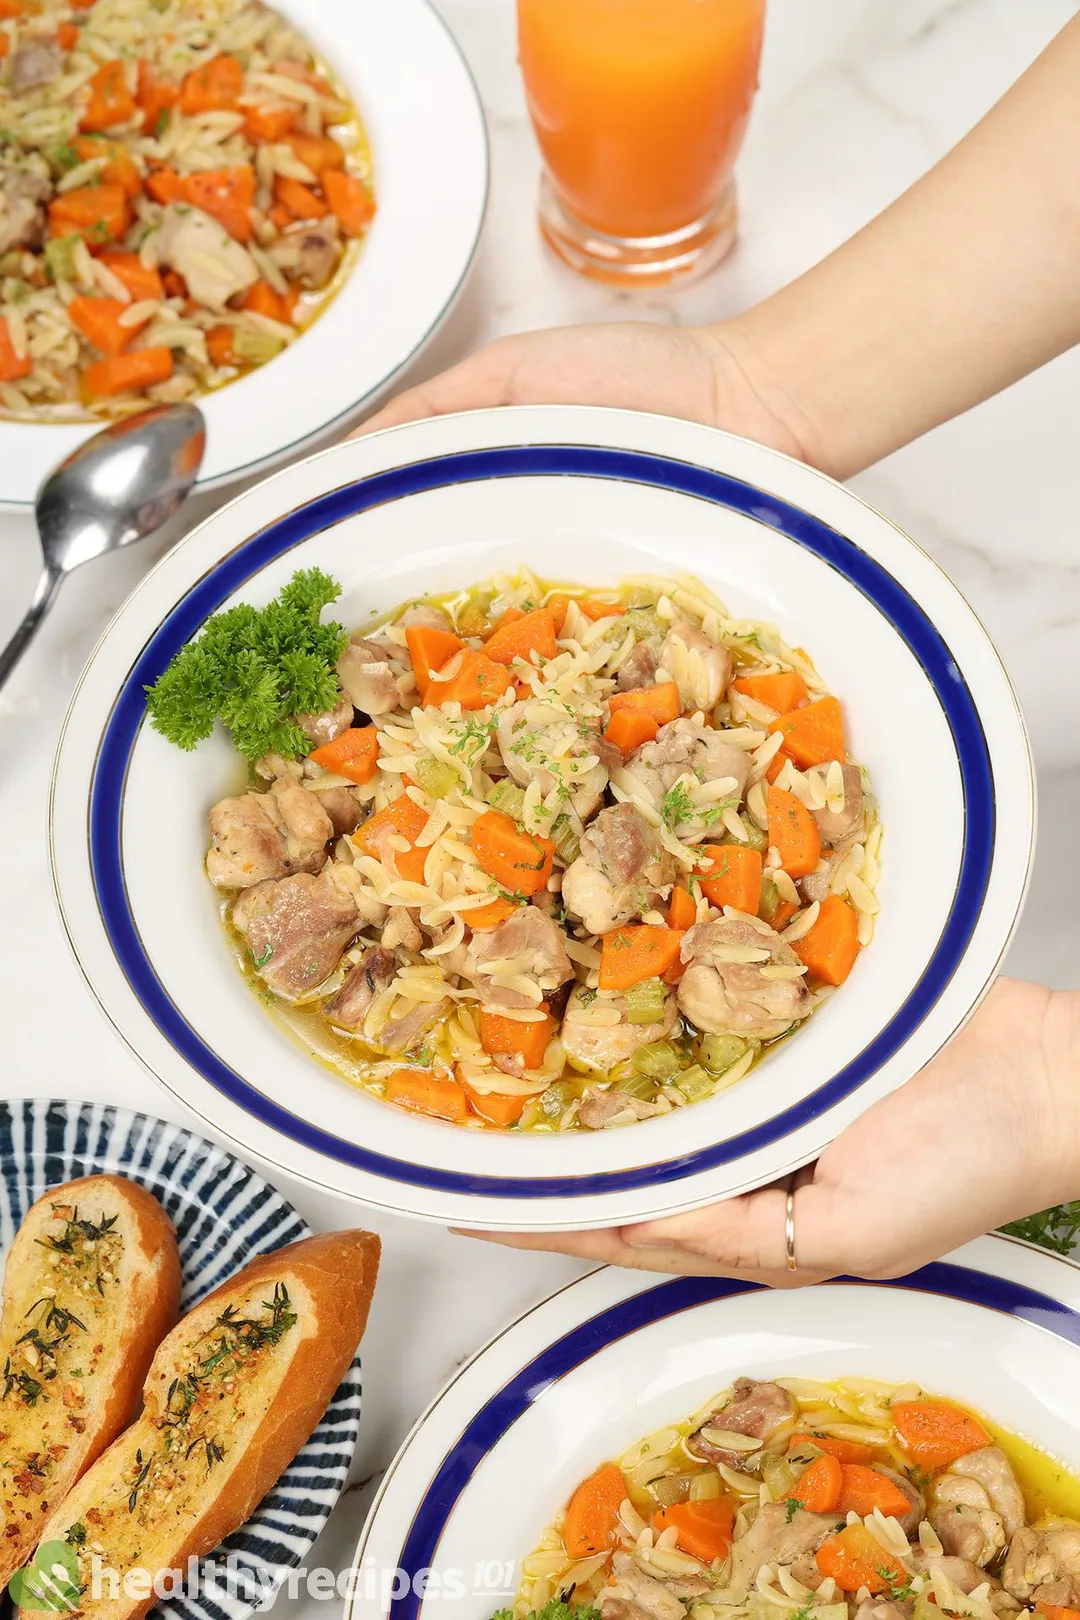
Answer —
861 571
224 1214
498 1414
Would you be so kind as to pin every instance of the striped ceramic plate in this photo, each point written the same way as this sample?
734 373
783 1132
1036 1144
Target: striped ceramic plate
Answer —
224 1215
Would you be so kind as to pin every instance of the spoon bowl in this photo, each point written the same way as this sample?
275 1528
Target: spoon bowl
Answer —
118 487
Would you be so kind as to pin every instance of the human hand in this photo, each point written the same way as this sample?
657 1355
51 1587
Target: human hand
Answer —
985 1134
703 374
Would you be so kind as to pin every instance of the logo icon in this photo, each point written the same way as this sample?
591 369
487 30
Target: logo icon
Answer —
50 1582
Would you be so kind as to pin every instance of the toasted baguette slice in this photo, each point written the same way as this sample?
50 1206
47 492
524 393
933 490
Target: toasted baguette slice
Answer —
232 1395
91 1286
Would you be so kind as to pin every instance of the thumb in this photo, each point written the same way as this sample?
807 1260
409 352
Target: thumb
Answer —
480 381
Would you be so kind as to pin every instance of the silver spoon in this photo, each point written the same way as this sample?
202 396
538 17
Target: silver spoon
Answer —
119 486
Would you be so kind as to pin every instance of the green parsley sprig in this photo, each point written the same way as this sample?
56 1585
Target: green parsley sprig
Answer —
255 670
555 1609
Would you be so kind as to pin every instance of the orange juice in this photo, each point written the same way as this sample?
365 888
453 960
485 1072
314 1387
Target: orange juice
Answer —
640 106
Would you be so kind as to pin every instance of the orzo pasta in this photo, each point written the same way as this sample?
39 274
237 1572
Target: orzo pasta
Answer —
183 186
548 858
854 1500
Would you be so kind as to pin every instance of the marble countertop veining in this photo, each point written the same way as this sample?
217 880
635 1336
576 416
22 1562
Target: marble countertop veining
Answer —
858 98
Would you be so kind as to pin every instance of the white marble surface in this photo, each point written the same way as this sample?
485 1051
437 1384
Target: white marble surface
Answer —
858 98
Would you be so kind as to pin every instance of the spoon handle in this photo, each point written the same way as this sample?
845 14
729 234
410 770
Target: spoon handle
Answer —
41 601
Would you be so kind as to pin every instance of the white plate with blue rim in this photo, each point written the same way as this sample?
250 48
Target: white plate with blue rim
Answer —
589 495
614 1356
224 1215
422 113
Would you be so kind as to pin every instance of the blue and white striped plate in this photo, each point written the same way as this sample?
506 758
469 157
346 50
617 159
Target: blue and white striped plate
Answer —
224 1215
617 1355
580 494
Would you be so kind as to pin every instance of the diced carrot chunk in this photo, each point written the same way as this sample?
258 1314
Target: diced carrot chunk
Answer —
12 366
350 200
793 832
813 735
499 1036
831 946
732 877
423 1091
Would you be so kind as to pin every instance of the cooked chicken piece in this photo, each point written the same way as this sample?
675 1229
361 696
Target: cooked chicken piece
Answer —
634 1595
724 997
966 1525
756 1409
963 1574
37 62
994 1472
408 1029
600 1046
908 1522
213 264
369 677
400 929
599 1109
371 909
840 829
323 728
258 836
426 614
688 748
527 943
349 1006
778 1536
817 885
23 196
296 929
1038 1559
638 668
884 1609
310 254
701 668
1064 1593
271 766
550 748
340 804
621 868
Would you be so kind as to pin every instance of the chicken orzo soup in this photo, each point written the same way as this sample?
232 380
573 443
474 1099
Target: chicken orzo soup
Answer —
822 1501
532 857
183 187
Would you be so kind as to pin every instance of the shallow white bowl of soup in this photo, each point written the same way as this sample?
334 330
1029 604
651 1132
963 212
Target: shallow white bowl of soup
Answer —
422 115
615 1357
591 496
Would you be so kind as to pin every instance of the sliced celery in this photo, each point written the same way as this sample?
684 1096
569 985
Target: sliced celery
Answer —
645 1002
436 777
256 348
554 1102
474 618
638 1085
719 1052
695 1082
507 797
60 257
567 840
660 1061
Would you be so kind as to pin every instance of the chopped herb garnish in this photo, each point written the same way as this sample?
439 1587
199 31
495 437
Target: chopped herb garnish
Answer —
676 806
140 1479
255 669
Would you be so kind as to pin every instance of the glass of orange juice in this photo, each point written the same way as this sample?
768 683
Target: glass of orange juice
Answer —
640 107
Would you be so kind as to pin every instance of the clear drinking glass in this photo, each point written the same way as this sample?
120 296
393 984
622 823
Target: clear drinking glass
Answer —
640 107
